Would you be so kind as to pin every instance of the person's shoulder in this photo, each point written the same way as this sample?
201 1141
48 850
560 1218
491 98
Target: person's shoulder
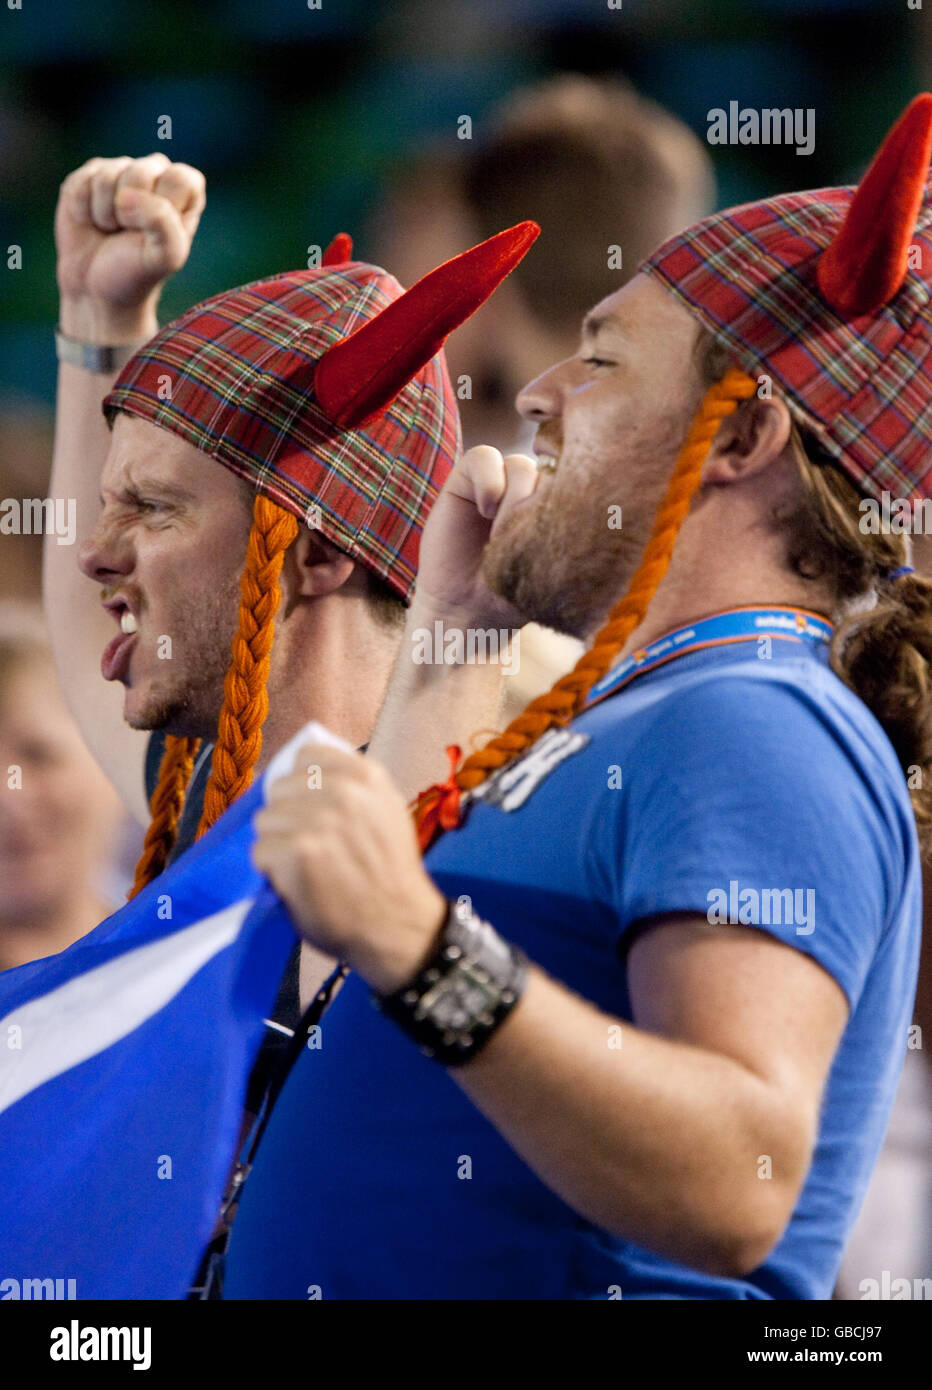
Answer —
758 773
787 720
786 698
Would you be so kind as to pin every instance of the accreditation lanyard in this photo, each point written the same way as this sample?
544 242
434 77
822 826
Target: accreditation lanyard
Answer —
719 630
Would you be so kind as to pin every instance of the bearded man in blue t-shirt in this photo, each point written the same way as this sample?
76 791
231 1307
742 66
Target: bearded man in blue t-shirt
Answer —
644 1002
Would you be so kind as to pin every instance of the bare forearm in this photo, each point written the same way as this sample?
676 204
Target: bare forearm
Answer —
79 628
657 1141
430 705
122 227
81 442
81 439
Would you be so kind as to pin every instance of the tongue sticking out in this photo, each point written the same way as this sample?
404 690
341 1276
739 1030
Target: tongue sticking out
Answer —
115 659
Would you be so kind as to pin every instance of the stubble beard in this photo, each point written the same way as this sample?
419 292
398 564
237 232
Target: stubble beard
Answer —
563 565
559 560
189 695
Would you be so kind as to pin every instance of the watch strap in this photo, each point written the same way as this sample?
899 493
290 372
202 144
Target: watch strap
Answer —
94 357
464 992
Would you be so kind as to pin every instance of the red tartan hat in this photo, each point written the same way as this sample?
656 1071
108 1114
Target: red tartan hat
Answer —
828 293
357 443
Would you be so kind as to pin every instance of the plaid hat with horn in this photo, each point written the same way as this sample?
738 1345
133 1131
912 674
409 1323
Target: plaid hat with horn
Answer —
827 293
328 391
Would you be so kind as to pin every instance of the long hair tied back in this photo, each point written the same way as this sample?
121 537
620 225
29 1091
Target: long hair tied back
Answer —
437 808
245 699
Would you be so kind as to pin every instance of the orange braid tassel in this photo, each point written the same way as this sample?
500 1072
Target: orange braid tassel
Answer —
561 704
245 698
245 704
165 806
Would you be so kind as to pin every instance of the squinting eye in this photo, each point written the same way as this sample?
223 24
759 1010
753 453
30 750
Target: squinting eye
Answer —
597 362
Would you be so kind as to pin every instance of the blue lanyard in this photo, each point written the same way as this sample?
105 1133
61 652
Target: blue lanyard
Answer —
734 625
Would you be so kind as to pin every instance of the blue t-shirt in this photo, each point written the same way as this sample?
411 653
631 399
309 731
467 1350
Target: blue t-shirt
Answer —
710 784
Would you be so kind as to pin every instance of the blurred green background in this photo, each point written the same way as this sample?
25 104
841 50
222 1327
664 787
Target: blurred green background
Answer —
300 117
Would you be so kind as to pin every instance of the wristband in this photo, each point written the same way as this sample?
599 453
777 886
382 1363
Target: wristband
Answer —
464 992
93 357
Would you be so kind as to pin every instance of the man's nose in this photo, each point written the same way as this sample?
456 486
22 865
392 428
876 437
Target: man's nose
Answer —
542 398
104 555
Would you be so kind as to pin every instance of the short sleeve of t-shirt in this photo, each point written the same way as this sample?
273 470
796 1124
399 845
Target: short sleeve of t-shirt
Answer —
764 809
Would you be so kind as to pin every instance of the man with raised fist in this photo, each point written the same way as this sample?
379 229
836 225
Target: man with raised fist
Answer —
232 604
643 1004
163 535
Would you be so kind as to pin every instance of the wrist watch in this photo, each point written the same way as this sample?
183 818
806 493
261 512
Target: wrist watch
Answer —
464 992
94 357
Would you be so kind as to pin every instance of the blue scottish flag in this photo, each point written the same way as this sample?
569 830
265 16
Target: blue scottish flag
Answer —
123 1070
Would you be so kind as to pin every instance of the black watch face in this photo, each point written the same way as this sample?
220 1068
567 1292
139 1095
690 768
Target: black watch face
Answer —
456 1002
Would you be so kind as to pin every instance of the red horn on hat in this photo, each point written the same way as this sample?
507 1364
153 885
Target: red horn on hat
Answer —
359 376
865 264
339 250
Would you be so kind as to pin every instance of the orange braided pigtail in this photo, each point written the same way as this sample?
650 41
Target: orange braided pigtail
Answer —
165 806
245 702
437 807
245 698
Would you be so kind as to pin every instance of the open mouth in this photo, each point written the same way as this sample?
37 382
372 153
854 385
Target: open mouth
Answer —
116 656
123 614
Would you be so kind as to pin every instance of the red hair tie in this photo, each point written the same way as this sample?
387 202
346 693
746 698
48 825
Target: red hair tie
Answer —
438 808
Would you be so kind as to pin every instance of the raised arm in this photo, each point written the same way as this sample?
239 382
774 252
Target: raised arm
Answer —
431 704
122 226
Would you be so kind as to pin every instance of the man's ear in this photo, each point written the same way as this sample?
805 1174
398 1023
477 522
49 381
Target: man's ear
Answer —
313 567
748 441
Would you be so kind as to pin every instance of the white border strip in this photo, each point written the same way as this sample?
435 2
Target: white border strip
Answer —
98 1008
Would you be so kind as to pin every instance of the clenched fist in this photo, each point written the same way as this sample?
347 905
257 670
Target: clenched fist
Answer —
480 493
122 227
344 858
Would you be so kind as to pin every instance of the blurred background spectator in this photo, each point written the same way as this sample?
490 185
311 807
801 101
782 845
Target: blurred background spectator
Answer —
417 127
60 819
25 459
608 175
302 118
